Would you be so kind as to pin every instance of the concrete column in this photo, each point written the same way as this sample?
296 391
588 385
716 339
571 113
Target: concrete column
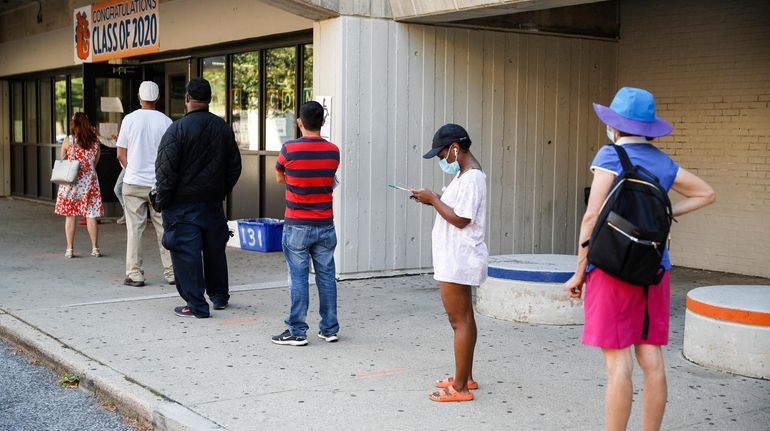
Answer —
328 73
380 120
524 99
361 64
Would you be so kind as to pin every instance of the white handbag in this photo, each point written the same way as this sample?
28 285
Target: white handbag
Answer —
65 171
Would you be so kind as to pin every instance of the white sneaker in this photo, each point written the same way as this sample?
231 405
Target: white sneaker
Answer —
331 338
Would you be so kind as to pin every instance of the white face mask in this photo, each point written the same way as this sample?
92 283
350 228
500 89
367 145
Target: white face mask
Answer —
610 134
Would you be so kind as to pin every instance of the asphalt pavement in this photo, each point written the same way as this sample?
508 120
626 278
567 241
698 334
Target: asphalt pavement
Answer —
32 400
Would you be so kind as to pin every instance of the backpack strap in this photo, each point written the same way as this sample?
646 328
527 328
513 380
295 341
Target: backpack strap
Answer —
625 161
649 174
646 324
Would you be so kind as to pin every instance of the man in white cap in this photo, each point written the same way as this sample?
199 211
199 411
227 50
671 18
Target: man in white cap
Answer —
138 143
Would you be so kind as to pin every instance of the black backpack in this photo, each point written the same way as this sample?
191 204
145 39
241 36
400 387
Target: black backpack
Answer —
632 229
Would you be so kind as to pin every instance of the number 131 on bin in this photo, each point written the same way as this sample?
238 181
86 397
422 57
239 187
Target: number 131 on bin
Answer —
263 234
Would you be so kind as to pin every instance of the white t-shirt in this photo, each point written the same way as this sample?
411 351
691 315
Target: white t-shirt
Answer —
460 255
140 135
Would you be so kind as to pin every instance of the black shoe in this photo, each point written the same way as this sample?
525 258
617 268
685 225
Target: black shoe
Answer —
329 338
136 283
186 312
220 305
287 339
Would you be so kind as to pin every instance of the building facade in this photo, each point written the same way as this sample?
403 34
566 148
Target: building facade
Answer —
520 75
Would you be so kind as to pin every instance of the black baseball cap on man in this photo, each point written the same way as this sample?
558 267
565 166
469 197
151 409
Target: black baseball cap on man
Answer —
447 135
199 89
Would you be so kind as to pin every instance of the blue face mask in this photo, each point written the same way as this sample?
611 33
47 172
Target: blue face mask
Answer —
449 168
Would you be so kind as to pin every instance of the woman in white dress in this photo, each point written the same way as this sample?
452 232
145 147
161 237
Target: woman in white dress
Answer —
459 252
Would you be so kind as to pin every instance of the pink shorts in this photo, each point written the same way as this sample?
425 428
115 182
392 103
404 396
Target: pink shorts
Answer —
614 311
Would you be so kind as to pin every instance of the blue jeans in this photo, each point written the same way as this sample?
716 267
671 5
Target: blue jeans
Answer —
196 234
300 244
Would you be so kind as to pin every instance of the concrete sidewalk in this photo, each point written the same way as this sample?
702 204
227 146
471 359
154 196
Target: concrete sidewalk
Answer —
223 372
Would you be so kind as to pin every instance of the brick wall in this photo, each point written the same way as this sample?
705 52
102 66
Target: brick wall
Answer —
708 64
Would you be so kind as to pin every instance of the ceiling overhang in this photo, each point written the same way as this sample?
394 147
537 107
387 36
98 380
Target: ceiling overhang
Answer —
442 11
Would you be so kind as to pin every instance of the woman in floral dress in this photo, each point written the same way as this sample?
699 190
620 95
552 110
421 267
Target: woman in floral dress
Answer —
83 197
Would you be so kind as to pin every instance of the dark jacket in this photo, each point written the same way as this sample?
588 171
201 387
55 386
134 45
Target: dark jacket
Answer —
198 161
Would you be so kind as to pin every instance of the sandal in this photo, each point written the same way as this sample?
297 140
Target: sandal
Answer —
96 253
450 394
68 253
472 384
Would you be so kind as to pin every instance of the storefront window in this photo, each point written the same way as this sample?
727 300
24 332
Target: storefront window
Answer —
213 70
30 109
245 100
280 82
45 111
307 73
18 112
76 95
60 110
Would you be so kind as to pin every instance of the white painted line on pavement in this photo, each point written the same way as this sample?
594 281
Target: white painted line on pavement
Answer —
242 288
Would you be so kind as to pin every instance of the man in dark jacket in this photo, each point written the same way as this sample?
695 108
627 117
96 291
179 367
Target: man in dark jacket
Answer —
198 164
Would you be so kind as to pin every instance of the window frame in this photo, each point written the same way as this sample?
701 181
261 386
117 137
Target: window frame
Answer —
26 187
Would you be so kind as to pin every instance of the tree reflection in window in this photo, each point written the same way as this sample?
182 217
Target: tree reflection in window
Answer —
60 109
214 73
76 95
245 100
280 82
307 73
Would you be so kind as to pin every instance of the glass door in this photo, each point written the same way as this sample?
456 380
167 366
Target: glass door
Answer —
176 77
107 90
281 71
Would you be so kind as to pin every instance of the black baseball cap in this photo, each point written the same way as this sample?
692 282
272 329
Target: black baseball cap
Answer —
199 89
447 135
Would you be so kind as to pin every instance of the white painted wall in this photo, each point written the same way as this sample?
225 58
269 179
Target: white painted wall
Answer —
525 100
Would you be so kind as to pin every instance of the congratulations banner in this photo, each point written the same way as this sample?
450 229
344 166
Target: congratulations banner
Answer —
116 29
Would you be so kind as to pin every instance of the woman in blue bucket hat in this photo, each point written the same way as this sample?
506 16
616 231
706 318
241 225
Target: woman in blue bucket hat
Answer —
613 308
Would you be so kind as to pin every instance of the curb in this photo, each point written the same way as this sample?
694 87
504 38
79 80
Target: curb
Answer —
151 408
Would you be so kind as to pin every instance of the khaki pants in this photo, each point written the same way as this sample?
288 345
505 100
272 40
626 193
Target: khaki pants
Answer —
137 202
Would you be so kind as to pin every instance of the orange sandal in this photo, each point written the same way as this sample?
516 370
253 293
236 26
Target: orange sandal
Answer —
472 384
450 394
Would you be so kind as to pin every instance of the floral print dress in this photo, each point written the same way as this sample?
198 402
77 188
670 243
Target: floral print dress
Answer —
83 197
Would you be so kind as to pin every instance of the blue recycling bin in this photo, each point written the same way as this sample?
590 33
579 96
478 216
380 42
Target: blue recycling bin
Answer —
260 234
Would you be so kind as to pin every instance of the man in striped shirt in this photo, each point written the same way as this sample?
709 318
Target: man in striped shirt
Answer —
307 166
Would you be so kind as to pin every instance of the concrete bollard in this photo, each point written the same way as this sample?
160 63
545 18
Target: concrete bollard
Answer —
728 328
528 288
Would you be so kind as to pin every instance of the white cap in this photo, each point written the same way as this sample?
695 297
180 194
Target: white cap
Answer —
148 91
